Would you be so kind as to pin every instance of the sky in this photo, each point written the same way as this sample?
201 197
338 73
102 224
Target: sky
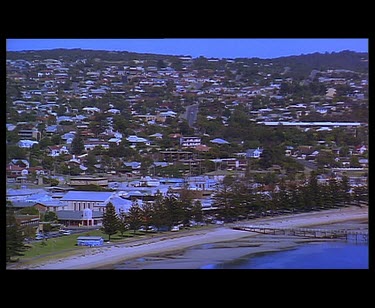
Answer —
208 47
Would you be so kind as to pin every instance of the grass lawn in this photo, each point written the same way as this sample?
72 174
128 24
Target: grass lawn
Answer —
66 245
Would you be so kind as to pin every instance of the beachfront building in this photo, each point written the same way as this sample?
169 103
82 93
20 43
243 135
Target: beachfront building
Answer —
80 200
83 218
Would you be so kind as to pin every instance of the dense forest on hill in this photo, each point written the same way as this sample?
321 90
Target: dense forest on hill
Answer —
78 53
302 65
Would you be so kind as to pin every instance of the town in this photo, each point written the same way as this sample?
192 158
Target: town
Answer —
214 140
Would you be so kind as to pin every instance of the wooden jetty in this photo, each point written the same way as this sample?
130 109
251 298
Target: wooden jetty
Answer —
352 235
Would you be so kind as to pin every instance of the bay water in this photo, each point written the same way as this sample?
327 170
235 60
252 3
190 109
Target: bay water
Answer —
317 255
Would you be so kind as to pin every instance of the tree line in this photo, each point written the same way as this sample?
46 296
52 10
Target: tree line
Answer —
164 213
236 199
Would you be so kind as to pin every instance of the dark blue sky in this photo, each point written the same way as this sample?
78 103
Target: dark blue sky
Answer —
218 48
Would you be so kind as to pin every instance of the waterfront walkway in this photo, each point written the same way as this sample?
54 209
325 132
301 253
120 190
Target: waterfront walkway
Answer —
307 232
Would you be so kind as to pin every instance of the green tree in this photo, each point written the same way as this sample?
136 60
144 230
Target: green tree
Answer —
223 200
110 221
159 211
56 139
50 216
147 213
354 162
77 145
28 231
186 203
15 246
91 161
29 210
174 213
313 196
135 216
360 195
196 211
14 151
48 162
344 191
331 194
54 182
123 223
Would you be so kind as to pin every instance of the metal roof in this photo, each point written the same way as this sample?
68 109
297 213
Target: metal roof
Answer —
96 196
89 238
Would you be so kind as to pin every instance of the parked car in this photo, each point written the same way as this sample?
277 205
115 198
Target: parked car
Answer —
65 232
175 228
39 236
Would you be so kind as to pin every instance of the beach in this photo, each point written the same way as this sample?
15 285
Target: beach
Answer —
171 250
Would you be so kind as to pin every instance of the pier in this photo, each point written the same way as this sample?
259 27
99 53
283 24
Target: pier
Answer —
349 235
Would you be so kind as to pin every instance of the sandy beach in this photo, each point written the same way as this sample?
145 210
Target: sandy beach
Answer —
144 252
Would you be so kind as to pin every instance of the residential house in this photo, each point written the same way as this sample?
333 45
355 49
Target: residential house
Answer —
24 163
93 143
51 130
156 136
363 162
360 149
57 150
133 167
134 140
26 143
254 153
38 170
16 173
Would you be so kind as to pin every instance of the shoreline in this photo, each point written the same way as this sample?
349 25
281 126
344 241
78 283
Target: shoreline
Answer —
174 248
209 255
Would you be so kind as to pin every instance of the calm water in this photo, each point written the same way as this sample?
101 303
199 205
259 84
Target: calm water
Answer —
336 255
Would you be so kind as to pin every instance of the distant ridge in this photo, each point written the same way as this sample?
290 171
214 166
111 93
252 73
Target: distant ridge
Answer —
300 66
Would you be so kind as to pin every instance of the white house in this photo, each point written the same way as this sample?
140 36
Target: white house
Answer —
26 143
57 150
134 140
254 153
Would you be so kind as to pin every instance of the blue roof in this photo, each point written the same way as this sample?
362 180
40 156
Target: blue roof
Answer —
89 238
219 141
133 164
50 203
121 203
161 164
97 196
23 191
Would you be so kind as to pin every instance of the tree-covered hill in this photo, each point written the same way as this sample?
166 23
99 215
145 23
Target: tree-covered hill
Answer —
301 66
291 66
78 53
